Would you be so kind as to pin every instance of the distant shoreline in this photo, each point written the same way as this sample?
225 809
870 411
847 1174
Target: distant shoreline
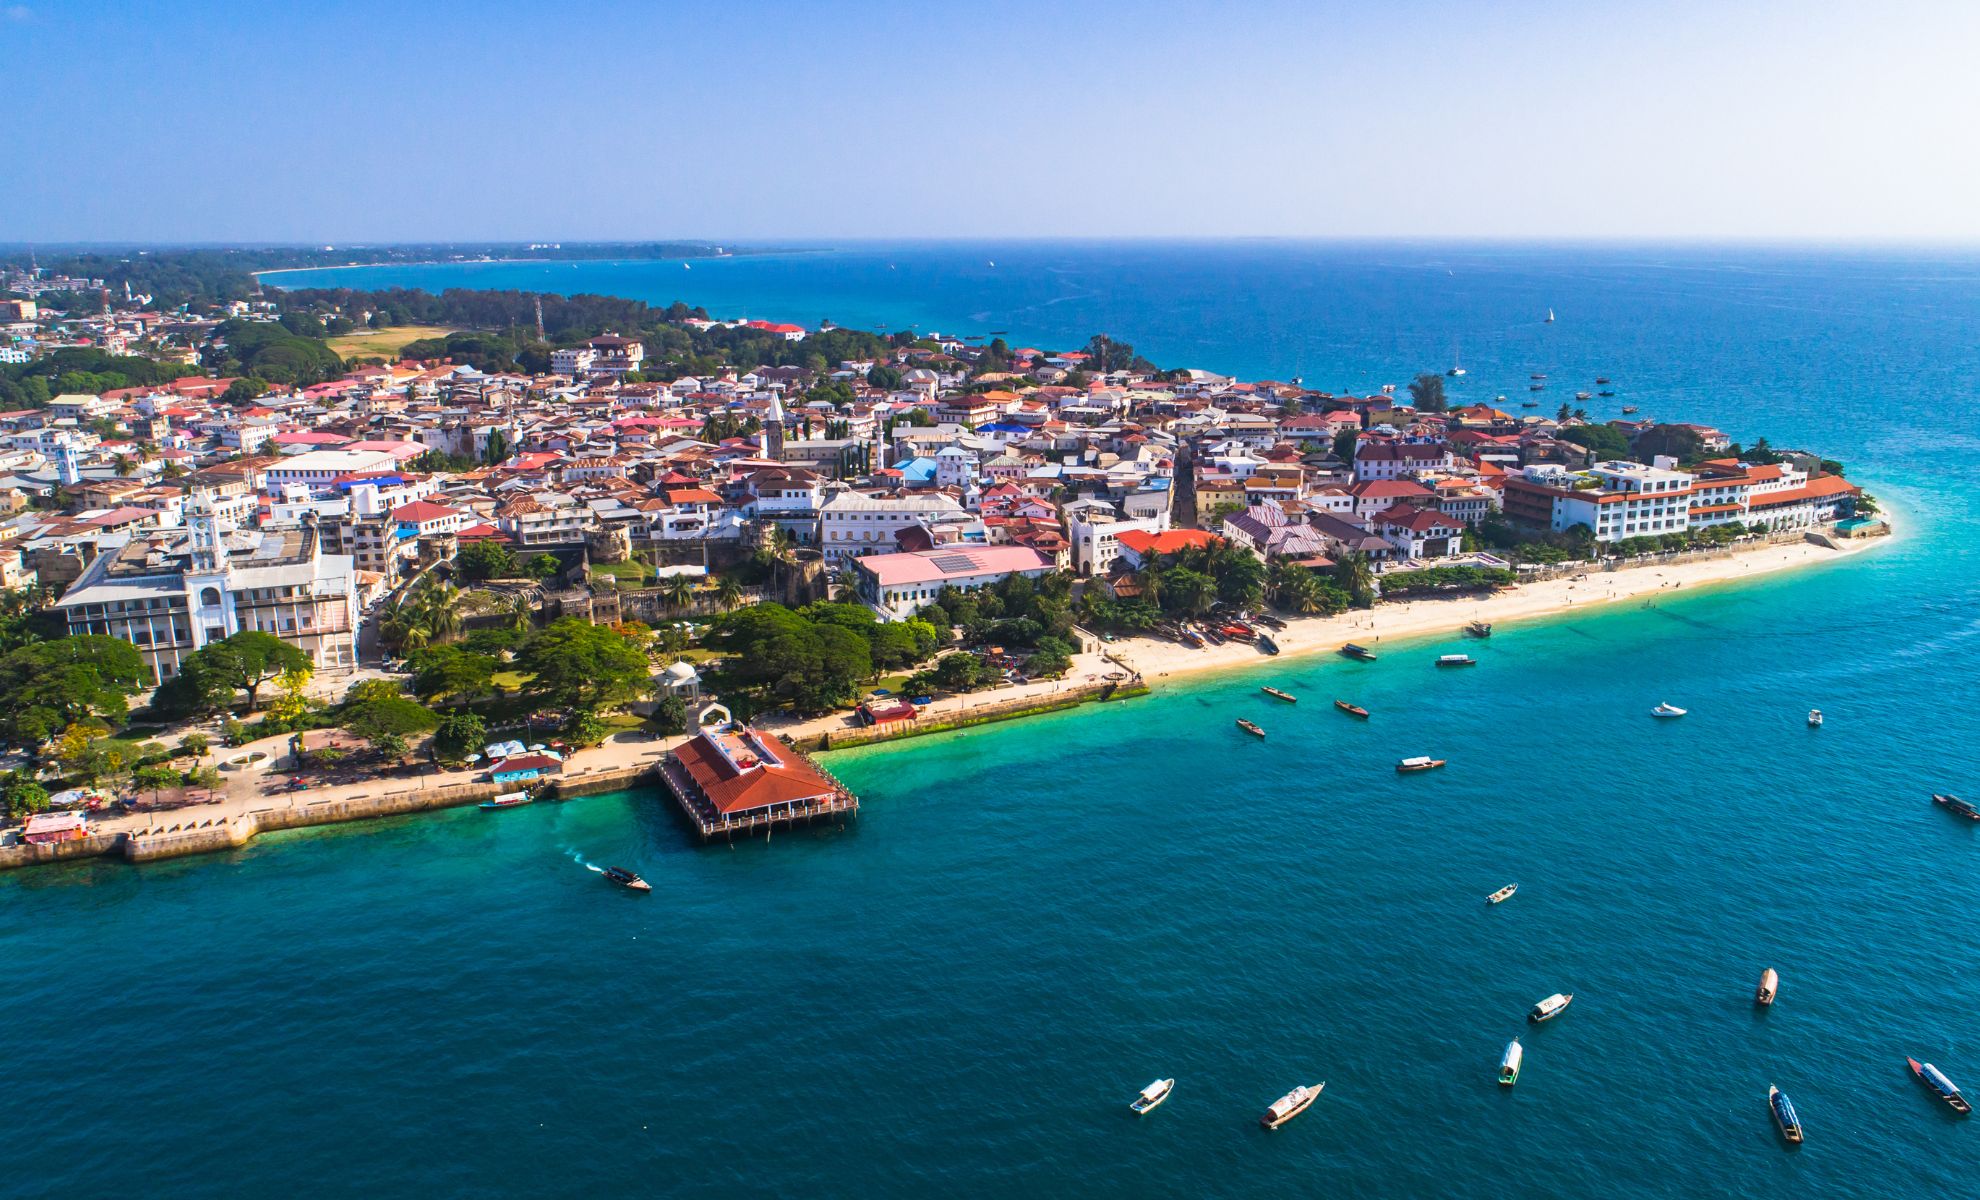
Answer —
490 262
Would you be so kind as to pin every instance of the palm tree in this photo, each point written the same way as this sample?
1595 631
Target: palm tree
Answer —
440 610
678 592
1151 582
1299 592
846 582
1356 577
728 593
518 612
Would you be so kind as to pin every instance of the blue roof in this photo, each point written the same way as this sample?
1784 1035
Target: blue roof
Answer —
1003 427
917 470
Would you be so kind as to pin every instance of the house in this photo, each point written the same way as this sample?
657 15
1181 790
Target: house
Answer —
521 768
1137 545
48 828
1421 532
896 586
851 524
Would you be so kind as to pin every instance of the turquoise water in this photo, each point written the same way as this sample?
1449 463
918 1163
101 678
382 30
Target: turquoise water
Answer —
960 994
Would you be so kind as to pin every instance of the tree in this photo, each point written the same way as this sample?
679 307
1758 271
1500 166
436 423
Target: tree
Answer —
542 568
576 664
884 376
485 560
52 684
960 672
386 723
586 729
22 795
1426 392
678 592
156 778
1606 441
196 691
1675 440
451 670
670 714
1105 355
458 735
291 700
1354 575
194 746
728 593
1052 657
250 658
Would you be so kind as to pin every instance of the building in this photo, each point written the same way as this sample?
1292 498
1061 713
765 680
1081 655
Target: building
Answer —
174 591
1095 535
1138 545
1615 500
1377 459
1421 532
851 524
731 778
898 585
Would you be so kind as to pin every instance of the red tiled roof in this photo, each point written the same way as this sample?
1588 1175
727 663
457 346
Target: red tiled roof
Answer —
761 783
1141 541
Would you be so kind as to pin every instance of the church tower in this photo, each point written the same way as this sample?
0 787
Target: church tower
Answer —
773 429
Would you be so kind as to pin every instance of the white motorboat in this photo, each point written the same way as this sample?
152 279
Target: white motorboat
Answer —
1667 711
1290 1105
1814 718
1551 1007
1153 1095
1503 894
1509 1065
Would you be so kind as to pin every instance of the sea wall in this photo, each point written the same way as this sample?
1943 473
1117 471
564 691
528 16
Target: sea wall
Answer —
1007 710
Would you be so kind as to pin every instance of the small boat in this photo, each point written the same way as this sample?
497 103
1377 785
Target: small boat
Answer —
1605 392
1191 638
1784 1114
1360 653
1509 1065
1814 718
1249 728
1601 379
626 879
1421 762
1536 387
1542 376
1954 804
1152 1096
1770 986
1932 1077
1264 642
1550 316
1352 710
1479 629
1583 396
1667 710
508 800
1503 894
1290 1105
1553 1006
1529 404
1276 694
1628 409
1456 660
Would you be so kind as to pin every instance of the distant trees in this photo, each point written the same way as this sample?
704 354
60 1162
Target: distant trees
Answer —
485 560
273 352
1605 441
54 684
1426 392
1675 440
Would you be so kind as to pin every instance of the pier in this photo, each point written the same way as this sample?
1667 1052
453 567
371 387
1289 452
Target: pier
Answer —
733 779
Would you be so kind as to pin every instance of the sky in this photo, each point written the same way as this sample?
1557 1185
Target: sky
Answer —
774 120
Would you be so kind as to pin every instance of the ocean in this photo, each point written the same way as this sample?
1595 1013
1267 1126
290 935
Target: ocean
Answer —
960 993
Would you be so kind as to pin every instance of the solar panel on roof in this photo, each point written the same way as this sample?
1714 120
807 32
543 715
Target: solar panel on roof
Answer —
949 564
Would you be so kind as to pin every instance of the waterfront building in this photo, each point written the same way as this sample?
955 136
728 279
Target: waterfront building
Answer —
731 778
896 586
1616 499
1094 530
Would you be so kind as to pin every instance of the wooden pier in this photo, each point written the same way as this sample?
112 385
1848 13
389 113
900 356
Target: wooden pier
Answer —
702 762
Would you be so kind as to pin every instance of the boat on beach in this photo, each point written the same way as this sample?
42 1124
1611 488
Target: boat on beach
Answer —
1276 694
1479 629
1152 1096
1667 711
507 800
1456 660
1264 642
1785 1117
1553 1006
1932 1077
1509 1065
1421 762
1250 728
626 879
1770 986
1503 894
1953 804
1290 1105
1352 710
1358 653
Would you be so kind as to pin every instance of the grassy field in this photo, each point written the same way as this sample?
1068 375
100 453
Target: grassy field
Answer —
383 343
628 574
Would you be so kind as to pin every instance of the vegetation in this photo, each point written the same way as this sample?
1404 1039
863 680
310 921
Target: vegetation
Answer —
485 560
1426 392
289 352
385 343
812 659
1430 581
1606 441
458 735
581 666
52 685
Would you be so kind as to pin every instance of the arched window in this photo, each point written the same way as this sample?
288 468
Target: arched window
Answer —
209 597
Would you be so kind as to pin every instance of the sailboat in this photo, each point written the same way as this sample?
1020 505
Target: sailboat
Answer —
1457 364
1550 316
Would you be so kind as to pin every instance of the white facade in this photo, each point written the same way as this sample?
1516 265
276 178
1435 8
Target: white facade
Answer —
851 524
1095 538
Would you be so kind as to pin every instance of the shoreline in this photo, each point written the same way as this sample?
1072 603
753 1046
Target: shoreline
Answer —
490 262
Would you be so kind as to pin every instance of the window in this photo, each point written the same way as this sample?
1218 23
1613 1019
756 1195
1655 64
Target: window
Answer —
209 597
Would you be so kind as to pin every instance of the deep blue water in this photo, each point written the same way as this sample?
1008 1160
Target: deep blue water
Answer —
960 994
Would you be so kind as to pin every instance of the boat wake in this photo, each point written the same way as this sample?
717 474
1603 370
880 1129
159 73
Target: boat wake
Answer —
579 858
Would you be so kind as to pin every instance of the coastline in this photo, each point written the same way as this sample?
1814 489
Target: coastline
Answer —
490 262
1159 660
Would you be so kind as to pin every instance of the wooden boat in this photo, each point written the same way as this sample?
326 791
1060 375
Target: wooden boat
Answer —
1249 728
626 879
1932 1077
1583 396
1152 1096
1537 376
1953 804
1509 1065
1605 393
1601 379
1553 1006
1276 694
1352 710
1628 408
1290 1105
1358 653
1785 1117
1667 711
1770 986
1814 718
507 800
1421 762
1264 642
1503 894
1479 629
1536 387
1456 660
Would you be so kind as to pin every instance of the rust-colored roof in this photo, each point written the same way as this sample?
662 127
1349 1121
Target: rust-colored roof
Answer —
761 783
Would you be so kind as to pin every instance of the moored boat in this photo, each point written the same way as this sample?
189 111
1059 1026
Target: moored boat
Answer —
626 879
1509 1065
1814 718
1352 710
1583 396
507 800
1276 694
1421 762
1628 408
1359 653
1250 728
1503 894
1152 1095
1456 660
1479 629
1770 986
1290 1105
1932 1077
1954 804
1667 711
1551 1007
1601 379
1785 1117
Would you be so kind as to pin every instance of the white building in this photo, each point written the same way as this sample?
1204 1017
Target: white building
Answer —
896 586
1095 534
319 469
851 524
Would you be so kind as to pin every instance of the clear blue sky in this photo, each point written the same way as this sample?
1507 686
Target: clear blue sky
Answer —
771 120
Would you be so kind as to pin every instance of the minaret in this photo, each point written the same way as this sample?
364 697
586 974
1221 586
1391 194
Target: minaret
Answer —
773 429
